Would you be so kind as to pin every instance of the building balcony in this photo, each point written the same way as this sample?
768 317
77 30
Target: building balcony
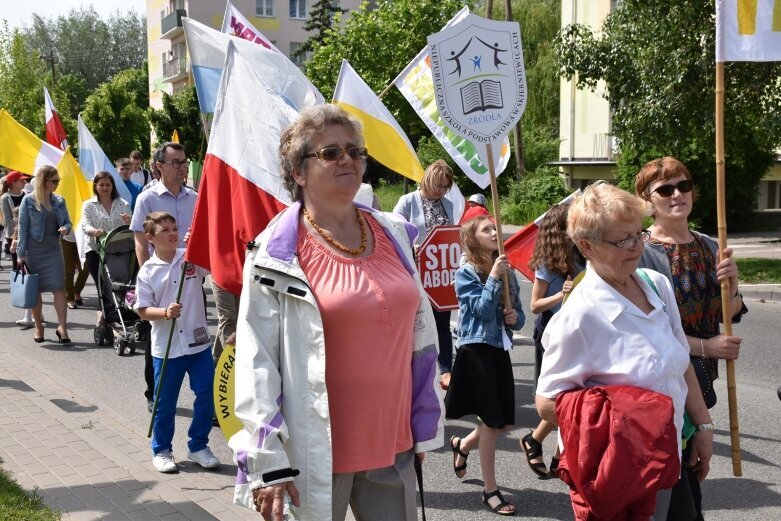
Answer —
175 69
171 25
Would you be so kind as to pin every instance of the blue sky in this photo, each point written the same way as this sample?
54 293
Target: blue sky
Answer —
19 12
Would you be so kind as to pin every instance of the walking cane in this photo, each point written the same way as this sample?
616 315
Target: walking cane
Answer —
167 350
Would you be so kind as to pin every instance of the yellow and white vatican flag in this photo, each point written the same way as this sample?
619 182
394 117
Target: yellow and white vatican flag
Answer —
24 151
385 140
748 30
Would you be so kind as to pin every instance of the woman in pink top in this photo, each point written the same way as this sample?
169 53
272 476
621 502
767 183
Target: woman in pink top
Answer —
336 372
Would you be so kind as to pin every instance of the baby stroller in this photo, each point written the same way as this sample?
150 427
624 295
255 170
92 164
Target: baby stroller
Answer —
117 270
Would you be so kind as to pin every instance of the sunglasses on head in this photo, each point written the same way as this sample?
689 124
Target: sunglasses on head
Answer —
684 187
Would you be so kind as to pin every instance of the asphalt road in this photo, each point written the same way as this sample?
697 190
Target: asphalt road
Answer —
102 381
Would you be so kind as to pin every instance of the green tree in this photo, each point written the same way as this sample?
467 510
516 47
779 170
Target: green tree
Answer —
379 44
22 78
657 61
321 18
180 112
117 114
88 47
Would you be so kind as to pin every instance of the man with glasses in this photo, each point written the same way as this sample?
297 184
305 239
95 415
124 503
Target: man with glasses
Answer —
168 195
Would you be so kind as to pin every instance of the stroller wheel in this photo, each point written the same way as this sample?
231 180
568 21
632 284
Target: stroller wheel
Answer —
108 335
131 348
99 336
119 346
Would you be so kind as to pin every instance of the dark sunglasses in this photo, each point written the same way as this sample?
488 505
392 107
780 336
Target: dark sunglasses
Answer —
329 154
684 187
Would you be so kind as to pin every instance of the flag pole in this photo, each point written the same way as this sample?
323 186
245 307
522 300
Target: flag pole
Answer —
721 216
489 150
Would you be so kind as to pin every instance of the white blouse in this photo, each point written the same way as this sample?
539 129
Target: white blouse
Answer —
95 217
599 337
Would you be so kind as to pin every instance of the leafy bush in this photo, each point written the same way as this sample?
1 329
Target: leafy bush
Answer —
534 195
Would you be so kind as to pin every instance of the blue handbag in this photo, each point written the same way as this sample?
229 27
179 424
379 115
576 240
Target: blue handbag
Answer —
24 287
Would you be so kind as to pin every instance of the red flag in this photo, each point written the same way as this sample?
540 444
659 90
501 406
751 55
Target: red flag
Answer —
231 211
55 133
520 247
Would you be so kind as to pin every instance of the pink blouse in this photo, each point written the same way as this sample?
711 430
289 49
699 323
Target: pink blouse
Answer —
368 306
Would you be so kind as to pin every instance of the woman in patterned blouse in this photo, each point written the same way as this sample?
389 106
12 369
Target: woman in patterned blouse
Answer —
691 261
100 215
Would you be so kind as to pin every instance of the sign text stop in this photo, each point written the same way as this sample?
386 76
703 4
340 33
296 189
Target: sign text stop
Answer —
439 256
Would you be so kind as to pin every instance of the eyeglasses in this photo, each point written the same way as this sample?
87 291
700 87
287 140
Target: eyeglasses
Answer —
630 242
331 154
177 164
684 187
55 182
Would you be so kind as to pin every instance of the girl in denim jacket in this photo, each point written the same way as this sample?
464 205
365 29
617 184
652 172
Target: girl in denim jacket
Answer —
482 381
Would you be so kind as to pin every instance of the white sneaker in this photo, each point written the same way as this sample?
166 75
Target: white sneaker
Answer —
164 462
205 458
26 324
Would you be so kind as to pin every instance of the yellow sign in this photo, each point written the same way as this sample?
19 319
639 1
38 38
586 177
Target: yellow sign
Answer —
224 396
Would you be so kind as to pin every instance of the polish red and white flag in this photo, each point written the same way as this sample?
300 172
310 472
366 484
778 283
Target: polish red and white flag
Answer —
55 133
261 93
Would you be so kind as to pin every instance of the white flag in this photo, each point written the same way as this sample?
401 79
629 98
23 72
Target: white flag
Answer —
748 30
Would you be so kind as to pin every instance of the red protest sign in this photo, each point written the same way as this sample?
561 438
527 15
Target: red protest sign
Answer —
439 256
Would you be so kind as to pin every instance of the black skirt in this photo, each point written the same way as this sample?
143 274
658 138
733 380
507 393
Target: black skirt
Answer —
482 383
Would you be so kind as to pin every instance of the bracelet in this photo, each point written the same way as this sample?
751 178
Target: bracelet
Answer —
705 427
702 346
165 312
736 295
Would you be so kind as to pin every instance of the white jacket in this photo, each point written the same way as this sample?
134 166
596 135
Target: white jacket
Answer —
281 395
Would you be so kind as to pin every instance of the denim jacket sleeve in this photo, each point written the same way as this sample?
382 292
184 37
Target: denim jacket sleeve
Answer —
479 299
515 295
61 210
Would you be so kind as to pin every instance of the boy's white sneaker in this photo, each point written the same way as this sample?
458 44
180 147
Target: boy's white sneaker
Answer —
205 458
164 462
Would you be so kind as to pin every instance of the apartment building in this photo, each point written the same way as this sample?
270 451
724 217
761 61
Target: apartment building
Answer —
281 21
587 149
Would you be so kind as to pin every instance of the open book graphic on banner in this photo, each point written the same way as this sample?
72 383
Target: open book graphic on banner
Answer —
481 95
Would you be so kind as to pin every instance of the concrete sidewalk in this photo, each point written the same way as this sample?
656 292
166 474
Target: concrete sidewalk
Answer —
89 465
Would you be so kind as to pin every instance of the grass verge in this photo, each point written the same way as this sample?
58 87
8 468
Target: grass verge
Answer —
759 271
17 505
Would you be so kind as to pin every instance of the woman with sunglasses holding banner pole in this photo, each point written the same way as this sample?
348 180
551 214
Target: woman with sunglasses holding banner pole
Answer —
690 260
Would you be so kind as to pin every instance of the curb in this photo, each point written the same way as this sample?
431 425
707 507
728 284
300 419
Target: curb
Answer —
762 292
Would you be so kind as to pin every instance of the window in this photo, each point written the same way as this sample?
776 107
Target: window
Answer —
298 60
298 9
264 7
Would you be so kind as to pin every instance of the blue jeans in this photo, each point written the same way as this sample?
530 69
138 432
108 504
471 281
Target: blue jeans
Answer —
200 368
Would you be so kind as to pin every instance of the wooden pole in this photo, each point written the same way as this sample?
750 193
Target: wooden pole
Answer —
497 219
520 160
721 216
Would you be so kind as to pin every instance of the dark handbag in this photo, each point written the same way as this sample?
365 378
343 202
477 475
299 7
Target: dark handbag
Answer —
704 371
24 287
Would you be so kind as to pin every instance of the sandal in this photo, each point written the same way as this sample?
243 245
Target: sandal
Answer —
456 448
502 503
554 464
533 450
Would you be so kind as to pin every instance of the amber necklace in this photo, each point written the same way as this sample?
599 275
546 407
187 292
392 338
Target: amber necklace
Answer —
339 246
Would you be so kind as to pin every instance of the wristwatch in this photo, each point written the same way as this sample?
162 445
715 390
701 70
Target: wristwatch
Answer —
705 427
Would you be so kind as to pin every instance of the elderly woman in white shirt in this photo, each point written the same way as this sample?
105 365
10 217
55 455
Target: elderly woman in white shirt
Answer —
615 328
100 215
